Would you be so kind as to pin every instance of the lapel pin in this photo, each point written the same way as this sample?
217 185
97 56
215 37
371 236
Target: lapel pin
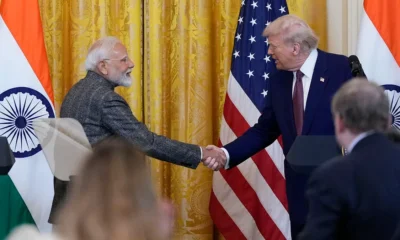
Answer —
322 79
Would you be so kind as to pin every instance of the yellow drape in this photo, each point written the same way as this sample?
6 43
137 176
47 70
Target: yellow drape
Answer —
182 52
187 44
314 13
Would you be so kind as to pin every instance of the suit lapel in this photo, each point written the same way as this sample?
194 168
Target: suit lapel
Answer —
317 87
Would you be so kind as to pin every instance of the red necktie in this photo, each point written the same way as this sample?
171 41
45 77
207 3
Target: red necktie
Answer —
298 102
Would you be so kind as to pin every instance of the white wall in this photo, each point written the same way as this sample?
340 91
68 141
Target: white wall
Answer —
343 25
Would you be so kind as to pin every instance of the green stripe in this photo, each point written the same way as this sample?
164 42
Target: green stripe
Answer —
13 211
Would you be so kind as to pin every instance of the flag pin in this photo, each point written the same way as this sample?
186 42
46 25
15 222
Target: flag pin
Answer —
322 79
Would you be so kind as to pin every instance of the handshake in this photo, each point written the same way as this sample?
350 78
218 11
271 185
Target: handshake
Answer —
214 157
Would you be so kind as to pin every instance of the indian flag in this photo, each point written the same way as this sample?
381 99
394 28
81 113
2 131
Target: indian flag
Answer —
25 95
379 49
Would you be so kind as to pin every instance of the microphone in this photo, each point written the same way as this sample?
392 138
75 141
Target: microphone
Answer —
356 68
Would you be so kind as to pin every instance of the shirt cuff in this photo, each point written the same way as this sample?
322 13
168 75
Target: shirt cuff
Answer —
227 158
201 153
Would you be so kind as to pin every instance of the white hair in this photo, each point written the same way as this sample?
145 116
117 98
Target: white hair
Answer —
294 30
99 51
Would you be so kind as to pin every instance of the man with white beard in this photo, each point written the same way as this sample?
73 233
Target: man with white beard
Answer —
103 113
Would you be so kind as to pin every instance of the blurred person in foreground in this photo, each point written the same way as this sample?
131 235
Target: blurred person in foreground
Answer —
111 198
357 196
102 112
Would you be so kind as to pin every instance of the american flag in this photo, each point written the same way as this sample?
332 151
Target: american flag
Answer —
249 201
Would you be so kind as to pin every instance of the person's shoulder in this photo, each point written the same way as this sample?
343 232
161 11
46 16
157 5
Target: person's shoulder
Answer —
76 87
83 88
98 92
338 66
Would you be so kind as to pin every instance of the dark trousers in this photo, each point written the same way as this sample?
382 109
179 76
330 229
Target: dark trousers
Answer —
295 192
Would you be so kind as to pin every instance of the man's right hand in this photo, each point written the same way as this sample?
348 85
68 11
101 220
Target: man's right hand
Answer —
214 157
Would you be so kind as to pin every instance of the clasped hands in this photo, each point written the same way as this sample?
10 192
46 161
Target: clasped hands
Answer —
214 157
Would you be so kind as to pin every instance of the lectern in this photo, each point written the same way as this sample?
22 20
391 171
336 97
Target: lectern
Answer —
7 159
309 152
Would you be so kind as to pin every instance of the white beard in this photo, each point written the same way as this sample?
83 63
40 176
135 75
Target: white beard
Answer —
122 80
125 81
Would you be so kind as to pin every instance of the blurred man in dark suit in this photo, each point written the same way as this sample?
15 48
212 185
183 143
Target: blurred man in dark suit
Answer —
357 196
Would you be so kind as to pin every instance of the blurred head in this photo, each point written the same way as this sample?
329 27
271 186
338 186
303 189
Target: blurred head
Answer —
109 58
113 198
359 106
290 42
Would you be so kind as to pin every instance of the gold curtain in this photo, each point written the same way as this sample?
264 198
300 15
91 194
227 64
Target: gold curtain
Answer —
182 52
187 47
314 13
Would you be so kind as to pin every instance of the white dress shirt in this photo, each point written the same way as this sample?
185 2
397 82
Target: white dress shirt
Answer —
307 69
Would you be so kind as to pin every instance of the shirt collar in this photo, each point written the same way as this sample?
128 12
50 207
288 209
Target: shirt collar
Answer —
356 140
308 66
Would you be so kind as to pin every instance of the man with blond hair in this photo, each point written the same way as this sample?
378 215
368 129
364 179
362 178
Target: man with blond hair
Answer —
103 113
357 196
298 103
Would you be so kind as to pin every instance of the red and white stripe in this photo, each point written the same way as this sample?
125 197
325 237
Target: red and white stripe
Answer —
249 201
379 41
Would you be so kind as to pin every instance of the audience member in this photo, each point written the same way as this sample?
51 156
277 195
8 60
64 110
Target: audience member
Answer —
357 196
111 198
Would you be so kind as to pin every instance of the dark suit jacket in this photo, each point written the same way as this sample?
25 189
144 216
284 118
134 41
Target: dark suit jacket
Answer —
356 196
104 113
396 235
277 119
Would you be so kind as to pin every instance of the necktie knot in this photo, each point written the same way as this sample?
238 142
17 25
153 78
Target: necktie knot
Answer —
299 75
